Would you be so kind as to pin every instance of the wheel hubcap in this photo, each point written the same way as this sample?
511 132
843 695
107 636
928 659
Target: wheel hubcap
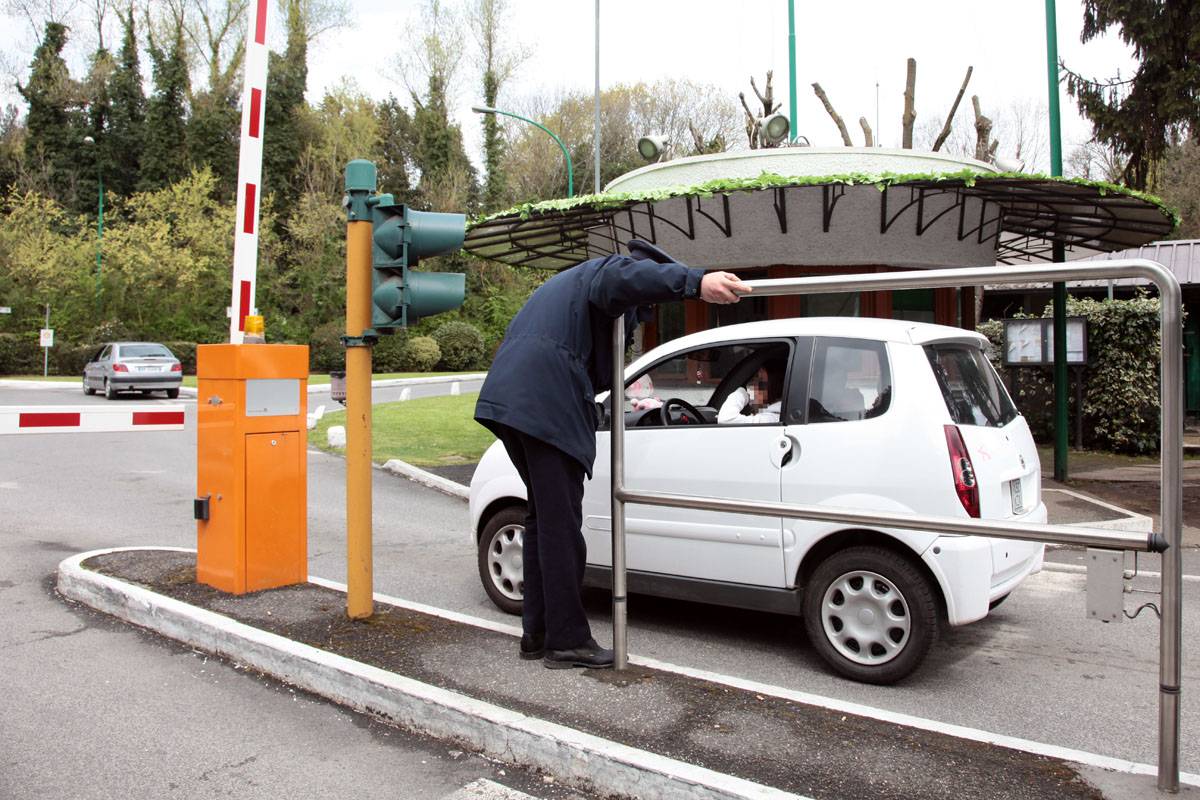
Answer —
865 617
505 563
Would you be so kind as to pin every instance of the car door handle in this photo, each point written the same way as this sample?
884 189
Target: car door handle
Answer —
783 450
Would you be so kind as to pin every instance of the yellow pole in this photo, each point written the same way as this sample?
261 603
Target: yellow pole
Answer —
359 589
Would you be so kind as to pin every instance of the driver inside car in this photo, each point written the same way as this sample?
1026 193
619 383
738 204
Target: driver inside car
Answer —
759 401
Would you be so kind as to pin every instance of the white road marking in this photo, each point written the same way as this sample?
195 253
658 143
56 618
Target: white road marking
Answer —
829 703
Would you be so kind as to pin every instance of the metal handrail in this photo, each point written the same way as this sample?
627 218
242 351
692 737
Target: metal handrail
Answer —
1171 432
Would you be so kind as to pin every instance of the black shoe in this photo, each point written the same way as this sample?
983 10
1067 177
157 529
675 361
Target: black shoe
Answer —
532 648
589 654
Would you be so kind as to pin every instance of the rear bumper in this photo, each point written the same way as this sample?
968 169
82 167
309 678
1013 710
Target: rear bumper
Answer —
965 568
152 382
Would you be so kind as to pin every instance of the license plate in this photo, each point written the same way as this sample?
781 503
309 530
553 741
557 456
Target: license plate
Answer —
148 369
1018 503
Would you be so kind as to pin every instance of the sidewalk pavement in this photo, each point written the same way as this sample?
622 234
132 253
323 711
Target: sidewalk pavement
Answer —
652 731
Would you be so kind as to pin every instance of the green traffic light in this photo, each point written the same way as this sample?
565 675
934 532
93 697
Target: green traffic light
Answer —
400 238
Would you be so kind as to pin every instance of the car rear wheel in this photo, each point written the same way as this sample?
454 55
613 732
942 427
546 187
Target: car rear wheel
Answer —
109 391
172 394
501 568
871 614
89 391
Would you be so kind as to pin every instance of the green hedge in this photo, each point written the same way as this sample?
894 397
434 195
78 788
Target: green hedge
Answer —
1120 391
20 354
421 354
461 345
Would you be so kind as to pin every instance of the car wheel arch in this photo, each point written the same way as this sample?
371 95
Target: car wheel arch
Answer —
492 509
854 537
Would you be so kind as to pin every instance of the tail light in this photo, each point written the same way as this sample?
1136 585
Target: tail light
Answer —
965 484
177 367
119 367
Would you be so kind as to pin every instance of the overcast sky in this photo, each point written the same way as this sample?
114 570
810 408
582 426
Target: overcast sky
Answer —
847 47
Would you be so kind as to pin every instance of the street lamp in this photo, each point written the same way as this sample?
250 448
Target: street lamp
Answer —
566 155
90 142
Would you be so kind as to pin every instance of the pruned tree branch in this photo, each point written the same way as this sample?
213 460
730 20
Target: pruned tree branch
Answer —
945 134
910 113
836 117
983 132
867 131
751 121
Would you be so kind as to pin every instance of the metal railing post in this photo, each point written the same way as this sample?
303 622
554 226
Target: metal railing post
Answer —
616 405
1171 446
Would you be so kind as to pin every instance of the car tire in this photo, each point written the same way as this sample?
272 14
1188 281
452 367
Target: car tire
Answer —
89 391
895 614
109 392
499 558
172 394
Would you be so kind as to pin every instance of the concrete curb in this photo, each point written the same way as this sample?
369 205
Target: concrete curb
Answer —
413 473
573 756
467 378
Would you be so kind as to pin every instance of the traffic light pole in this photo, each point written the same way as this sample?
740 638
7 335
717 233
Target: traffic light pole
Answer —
360 184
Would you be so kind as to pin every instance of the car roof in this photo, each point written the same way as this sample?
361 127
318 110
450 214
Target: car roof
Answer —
122 344
888 330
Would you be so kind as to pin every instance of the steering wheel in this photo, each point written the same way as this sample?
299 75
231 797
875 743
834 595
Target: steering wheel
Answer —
664 412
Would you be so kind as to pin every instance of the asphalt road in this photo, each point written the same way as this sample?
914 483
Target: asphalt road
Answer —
1035 668
95 709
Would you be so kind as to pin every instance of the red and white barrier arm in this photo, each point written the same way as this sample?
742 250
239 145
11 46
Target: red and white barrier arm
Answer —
90 419
249 193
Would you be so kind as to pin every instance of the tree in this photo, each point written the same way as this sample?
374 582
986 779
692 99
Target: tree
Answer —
694 118
287 79
127 114
98 158
1141 116
54 120
164 155
1179 185
498 61
12 136
395 163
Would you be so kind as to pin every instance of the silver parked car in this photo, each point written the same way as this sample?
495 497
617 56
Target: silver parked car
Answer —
133 366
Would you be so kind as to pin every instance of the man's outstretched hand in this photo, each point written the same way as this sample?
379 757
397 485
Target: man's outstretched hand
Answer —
722 288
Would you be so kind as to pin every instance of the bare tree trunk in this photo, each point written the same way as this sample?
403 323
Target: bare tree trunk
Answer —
983 131
910 113
836 117
867 131
751 121
945 134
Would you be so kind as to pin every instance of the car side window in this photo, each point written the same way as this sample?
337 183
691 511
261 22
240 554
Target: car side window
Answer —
105 353
850 381
751 376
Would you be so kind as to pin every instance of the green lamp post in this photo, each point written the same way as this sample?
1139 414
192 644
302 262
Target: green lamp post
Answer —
563 147
90 142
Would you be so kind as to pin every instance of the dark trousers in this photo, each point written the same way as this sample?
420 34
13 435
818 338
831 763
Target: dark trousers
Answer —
553 550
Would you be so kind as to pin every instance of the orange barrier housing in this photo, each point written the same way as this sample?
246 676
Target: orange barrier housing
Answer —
252 466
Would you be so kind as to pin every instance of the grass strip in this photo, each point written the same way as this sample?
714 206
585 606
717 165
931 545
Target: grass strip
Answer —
428 432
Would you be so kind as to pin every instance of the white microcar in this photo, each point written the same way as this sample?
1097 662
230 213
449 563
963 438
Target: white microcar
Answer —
868 414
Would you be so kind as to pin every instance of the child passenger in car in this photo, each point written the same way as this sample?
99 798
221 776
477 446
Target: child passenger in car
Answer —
757 402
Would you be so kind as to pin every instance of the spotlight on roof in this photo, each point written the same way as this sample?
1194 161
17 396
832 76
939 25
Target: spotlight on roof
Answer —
1008 164
774 128
652 147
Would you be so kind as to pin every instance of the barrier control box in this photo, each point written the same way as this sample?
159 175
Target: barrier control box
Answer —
252 466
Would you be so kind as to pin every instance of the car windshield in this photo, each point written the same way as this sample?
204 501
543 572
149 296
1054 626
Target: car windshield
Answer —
145 351
970 386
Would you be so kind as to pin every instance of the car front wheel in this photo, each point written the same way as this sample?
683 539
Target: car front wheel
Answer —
871 614
89 391
501 568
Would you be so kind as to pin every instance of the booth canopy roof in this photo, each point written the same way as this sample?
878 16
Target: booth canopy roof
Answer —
1034 212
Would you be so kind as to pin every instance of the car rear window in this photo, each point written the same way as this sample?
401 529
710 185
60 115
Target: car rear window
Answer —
970 386
145 351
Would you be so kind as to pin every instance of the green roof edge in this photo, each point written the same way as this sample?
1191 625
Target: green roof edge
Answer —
769 180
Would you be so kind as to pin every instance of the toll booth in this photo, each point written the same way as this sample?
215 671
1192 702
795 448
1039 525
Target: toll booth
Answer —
252 466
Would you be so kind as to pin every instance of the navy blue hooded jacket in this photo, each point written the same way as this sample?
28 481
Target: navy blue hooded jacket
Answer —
557 352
